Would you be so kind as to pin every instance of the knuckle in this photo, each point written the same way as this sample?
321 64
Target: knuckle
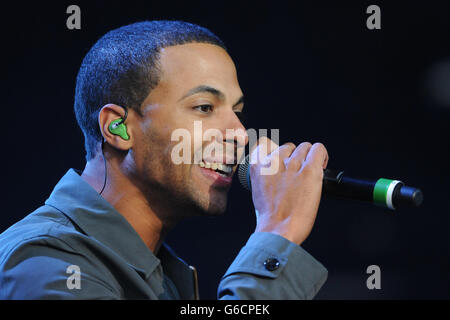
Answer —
320 146
305 144
312 170
289 145
307 170
293 163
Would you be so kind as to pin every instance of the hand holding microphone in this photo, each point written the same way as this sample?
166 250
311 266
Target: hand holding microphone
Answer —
287 200
382 192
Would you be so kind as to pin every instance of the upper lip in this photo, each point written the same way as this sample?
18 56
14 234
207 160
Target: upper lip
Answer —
228 160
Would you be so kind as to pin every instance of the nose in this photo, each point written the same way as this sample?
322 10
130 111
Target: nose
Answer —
235 131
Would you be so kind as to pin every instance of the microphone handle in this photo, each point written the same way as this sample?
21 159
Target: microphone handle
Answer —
382 192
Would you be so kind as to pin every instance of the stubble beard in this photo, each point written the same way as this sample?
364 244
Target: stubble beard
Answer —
171 189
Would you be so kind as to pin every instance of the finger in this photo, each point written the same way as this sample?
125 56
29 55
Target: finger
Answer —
282 153
325 163
317 155
262 150
298 156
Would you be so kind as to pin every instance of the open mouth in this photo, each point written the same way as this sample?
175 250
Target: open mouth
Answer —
225 170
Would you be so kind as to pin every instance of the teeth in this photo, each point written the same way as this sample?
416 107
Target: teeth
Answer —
214 166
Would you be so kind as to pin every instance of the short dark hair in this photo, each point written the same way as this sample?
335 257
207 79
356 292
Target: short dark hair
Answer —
122 68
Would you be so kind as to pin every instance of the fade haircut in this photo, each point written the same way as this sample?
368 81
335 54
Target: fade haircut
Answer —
122 68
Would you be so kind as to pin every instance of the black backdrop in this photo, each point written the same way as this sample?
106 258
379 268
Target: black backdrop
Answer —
377 99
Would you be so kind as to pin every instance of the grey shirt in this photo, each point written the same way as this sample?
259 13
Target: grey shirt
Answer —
77 246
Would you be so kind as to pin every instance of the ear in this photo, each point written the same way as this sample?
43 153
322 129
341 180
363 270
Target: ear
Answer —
108 113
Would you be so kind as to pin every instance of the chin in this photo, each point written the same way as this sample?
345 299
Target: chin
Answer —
215 210
215 205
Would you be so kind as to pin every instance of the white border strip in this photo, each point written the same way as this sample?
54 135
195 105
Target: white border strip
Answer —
389 193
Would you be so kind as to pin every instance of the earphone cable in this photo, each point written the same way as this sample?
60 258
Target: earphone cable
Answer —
103 154
103 141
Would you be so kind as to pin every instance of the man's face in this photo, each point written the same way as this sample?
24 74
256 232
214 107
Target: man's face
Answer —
199 84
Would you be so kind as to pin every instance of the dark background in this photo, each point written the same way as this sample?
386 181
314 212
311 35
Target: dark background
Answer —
378 99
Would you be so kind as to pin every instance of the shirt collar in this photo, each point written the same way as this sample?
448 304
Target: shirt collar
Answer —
96 217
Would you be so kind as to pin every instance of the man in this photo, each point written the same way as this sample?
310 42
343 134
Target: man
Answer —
100 234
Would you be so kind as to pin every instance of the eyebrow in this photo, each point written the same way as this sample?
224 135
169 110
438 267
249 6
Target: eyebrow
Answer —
204 88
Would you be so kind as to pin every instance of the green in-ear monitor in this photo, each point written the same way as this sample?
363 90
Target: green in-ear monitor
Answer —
119 128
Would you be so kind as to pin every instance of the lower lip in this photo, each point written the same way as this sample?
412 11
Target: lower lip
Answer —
218 179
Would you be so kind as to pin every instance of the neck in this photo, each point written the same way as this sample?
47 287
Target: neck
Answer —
128 200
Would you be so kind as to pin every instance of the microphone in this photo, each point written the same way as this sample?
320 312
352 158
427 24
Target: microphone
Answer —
382 192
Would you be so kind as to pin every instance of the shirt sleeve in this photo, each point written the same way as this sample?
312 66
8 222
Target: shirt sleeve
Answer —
271 267
47 268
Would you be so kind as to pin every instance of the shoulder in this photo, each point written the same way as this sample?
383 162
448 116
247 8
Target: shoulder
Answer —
38 256
45 224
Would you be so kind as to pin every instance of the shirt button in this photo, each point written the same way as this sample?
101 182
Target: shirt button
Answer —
272 264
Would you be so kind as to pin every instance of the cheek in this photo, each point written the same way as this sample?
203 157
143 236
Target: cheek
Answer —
160 159
151 152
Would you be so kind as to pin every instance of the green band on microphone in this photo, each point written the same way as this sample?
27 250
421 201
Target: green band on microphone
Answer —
382 192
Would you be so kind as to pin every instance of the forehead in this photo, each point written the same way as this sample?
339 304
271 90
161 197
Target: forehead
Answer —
188 65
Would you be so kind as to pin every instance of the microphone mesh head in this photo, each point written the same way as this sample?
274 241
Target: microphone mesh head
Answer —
243 174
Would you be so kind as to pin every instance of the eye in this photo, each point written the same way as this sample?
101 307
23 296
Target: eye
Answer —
204 108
